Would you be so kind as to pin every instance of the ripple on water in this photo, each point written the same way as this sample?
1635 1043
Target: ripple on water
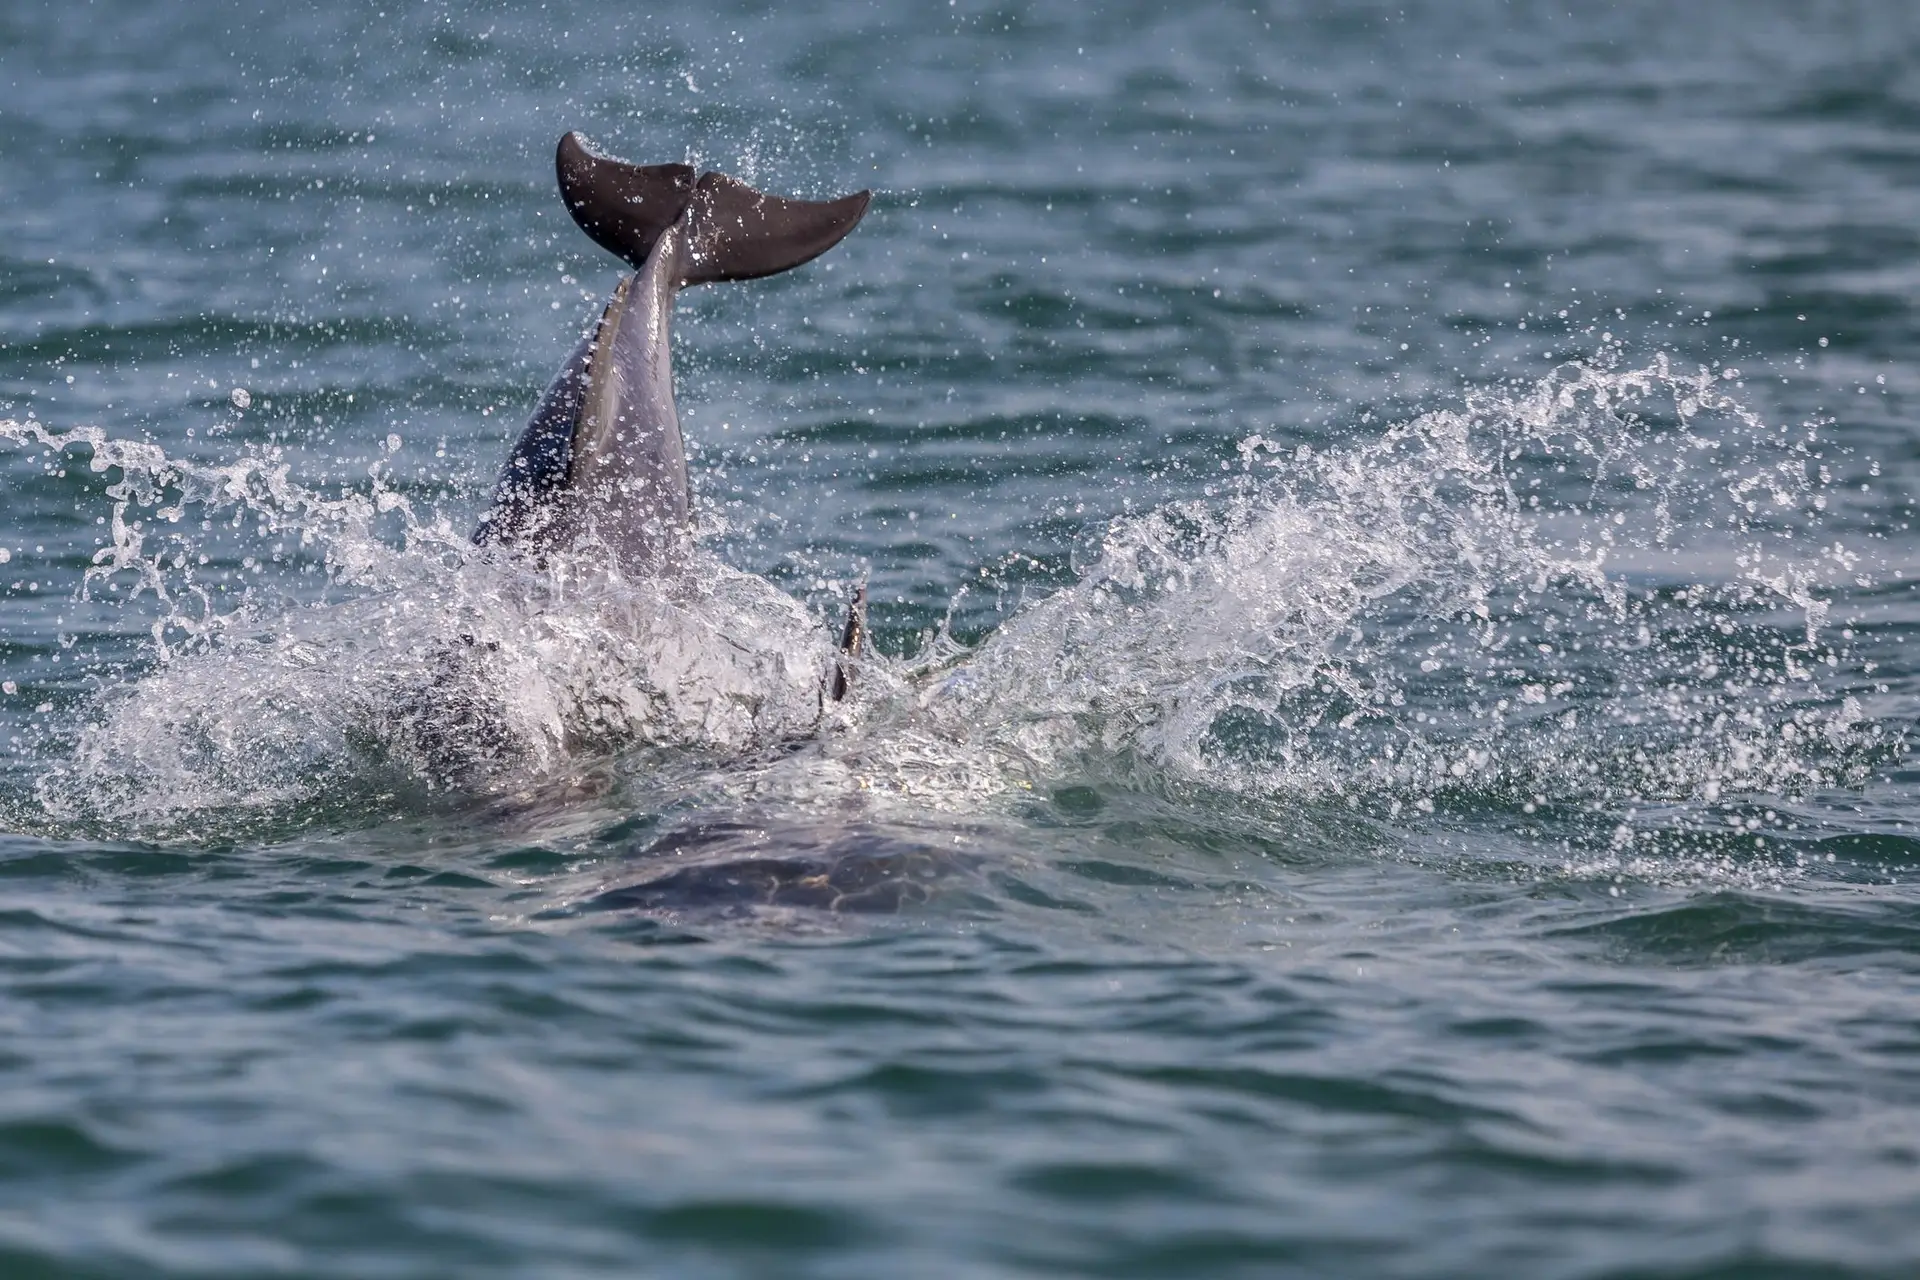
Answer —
1735 928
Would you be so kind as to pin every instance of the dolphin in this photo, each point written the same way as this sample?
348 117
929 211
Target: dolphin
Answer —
601 468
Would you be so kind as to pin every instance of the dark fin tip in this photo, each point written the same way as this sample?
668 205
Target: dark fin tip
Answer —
624 207
742 234
851 638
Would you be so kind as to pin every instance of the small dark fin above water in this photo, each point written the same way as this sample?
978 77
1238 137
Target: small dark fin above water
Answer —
734 232
851 638
624 207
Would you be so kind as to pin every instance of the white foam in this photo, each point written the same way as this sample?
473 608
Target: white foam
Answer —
1488 603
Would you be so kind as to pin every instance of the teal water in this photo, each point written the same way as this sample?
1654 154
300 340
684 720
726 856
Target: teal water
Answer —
1387 748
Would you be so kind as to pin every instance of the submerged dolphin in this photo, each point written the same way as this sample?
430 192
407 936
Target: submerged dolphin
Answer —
601 467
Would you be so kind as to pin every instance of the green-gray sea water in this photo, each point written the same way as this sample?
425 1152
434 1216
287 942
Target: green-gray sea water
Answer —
1387 747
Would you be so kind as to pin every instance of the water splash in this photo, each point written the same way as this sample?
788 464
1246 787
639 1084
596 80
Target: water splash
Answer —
422 666
1603 594
1608 589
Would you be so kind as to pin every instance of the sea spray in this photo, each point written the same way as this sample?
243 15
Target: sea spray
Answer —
1605 589
423 666
1602 593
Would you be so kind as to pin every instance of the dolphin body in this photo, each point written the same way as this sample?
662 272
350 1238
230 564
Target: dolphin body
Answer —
601 468
601 472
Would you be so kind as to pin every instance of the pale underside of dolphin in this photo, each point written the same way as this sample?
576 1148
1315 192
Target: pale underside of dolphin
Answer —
601 468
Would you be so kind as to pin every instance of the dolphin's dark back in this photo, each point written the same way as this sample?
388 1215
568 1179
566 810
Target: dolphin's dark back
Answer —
601 465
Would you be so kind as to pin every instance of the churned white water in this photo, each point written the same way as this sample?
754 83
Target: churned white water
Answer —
1486 604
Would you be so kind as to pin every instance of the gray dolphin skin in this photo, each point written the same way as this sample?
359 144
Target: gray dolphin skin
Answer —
601 468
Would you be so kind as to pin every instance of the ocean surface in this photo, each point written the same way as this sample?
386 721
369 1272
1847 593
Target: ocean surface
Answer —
1388 744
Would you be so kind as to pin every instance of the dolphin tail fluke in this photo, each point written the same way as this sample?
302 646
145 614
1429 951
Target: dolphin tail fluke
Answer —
738 233
733 231
624 207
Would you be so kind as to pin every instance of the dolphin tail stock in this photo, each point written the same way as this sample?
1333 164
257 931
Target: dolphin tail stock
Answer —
602 460
733 231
